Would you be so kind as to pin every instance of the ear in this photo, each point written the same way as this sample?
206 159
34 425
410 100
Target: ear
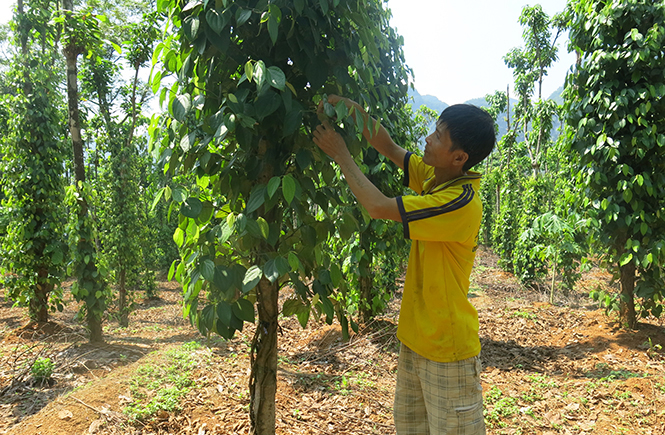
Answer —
460 157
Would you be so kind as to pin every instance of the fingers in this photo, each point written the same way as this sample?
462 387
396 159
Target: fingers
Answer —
330 142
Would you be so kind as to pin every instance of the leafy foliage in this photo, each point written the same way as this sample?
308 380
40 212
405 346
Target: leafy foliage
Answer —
34 253
243 131
262 201
616 113
529 177
121 211
556 242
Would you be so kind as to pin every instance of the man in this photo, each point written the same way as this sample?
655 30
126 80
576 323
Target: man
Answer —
438 376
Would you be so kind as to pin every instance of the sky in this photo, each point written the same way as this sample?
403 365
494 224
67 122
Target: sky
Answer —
456 47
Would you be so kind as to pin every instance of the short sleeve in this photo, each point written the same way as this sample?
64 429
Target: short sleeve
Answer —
450 215
416 172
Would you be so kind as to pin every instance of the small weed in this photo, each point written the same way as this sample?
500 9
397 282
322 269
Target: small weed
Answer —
531 396
524 315
622 395
653 350
362 380
542 382
493 395
499 407
42 369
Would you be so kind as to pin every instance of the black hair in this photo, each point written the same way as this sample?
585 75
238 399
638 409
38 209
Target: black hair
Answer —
471 129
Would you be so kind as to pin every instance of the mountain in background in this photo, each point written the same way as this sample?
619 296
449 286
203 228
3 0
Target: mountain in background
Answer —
430 101
417 100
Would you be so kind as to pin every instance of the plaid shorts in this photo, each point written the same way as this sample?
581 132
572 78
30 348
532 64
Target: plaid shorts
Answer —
438 398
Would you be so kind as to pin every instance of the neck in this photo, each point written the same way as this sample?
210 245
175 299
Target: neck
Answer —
443 176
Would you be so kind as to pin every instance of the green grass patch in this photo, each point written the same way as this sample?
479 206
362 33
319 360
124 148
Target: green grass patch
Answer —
498 407
160 385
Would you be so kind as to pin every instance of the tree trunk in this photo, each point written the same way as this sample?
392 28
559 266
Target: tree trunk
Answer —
263 360
366 279
627 303
84 244
508 108
366 296
74 119
123 310
38 307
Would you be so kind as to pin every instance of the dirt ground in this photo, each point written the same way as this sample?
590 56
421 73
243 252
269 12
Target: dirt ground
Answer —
565 368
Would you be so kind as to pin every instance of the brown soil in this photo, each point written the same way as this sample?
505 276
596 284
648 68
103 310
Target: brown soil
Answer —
565 368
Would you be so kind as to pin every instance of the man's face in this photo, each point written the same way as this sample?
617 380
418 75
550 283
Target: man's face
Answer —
439 148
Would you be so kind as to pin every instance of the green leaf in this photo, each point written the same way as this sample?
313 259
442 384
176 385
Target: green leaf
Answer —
625 259
217 21
224 313
244 310
158 196
273 185
276 78
191 26
292 306
57 257
288 188
179 194
181 106
191 207
335 275
188 141
304 158
292 121
179 237
251 279
341 111
644 228
172 270
328 308
242 15
224 280
282 265
273 29
260 74
294 262
360 122
300 5
348 226
263 227
249 70
208 270
256 199
303 317
206 213
270 270
627 195
324 6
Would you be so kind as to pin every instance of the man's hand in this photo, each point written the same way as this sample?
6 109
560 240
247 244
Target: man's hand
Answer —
378 138
330 142
334 99
377 204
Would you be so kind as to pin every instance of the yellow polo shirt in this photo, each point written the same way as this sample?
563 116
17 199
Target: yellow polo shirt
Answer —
436 318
